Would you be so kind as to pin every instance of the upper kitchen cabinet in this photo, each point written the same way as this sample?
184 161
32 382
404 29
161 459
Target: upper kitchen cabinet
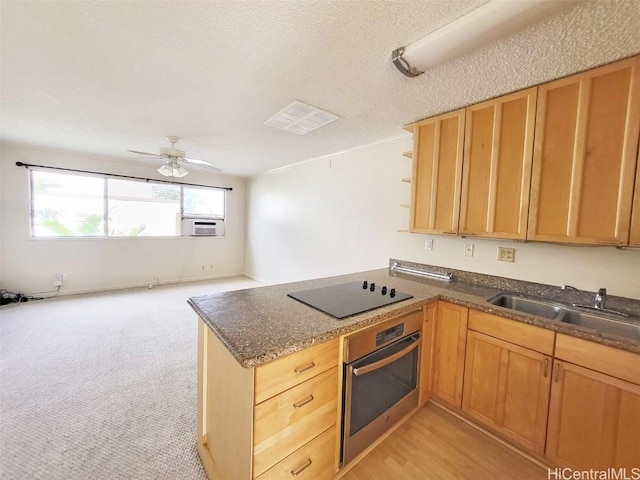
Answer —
634 235
437 174
584 156
498 149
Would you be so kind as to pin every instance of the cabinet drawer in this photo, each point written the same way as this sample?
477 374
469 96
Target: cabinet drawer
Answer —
528 336
284 373
314 461
602 358
287 421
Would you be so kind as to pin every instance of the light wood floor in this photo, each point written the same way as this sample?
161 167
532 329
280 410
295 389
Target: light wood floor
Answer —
434 444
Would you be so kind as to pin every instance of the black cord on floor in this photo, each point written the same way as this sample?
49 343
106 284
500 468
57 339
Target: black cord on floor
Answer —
12 298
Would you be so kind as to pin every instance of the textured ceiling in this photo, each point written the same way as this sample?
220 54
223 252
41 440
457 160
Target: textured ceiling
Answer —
103 77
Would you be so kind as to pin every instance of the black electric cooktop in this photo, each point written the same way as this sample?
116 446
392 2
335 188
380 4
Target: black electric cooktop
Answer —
348 299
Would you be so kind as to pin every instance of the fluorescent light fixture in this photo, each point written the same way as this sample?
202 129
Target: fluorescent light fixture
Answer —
490 22
173 169
300 118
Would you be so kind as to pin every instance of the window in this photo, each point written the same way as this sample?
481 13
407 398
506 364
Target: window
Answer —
74 205
67 205
143 209
203 202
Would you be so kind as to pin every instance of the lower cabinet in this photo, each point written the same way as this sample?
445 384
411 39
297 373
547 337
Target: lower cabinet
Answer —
506 387
449 343
570 401
277 420
594 417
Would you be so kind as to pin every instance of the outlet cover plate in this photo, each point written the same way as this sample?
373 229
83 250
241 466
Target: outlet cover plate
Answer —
468 249
428 244
506 254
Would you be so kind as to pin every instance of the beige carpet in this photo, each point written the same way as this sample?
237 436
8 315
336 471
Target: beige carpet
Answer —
102 386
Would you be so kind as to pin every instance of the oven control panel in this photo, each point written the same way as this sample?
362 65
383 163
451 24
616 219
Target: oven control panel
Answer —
366 341
389 334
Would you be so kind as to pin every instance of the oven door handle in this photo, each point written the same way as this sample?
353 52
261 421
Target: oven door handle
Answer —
385 361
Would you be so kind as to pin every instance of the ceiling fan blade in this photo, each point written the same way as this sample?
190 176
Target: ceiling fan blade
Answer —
201 162
146 153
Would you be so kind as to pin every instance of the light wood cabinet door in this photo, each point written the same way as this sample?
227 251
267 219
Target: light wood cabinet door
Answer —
450 337
498 150
437 174
634 234
506 387
428 324
594 420
585 156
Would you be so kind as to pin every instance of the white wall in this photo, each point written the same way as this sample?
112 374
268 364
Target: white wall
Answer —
105 263
341 214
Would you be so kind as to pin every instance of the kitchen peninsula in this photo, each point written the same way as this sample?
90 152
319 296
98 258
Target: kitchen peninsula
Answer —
270 372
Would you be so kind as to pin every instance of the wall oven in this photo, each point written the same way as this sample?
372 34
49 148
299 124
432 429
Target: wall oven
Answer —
381 371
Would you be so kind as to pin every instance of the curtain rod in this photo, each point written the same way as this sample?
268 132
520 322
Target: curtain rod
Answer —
27 165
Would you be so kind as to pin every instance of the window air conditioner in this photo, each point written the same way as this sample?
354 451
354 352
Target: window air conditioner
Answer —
198 227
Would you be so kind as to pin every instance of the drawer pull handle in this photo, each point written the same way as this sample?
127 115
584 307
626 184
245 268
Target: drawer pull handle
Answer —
546 367
299 470
305 368
302 403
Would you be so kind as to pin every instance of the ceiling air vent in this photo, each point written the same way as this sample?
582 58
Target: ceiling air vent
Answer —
300 118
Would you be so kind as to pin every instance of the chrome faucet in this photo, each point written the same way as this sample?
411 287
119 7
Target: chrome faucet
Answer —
599 301
601 297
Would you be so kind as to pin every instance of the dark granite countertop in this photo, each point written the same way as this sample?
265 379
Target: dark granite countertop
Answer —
261 324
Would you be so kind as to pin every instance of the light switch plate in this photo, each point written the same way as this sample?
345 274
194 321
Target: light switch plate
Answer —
428 244
506 254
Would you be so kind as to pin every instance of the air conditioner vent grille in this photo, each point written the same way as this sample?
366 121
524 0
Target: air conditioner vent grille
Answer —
300 118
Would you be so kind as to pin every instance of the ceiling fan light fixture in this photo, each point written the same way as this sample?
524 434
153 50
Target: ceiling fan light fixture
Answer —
173 170
174 159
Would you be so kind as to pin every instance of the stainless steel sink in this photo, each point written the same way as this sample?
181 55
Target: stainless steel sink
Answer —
559 313
527 305
601 324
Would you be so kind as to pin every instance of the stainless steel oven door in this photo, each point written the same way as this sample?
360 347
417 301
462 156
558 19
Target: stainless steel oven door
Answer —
380 389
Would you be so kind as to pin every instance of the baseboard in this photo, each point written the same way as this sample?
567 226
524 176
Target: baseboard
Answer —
257 279
112 288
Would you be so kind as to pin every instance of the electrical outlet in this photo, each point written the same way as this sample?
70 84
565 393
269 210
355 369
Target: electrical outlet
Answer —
468 249
506 254
428 244
57 279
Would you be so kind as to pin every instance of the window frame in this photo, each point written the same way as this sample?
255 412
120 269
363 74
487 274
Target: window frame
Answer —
105 178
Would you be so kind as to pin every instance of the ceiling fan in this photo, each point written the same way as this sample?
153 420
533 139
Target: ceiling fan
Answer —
173 167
